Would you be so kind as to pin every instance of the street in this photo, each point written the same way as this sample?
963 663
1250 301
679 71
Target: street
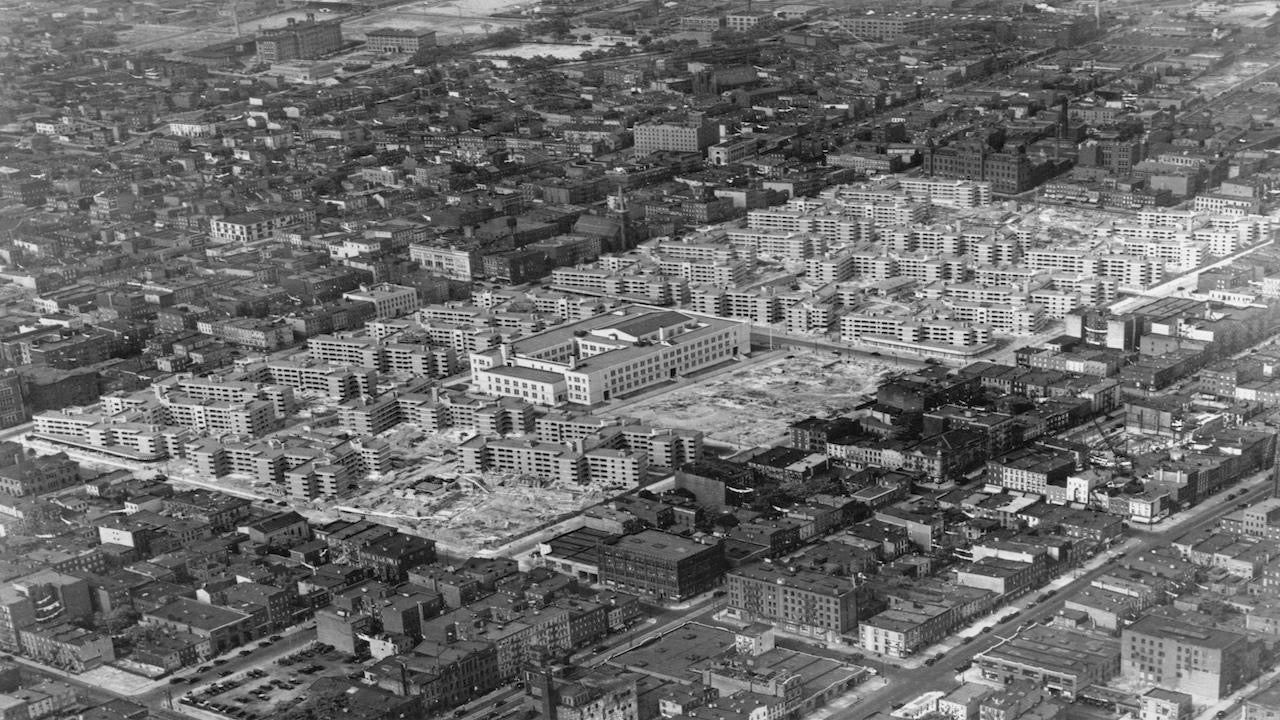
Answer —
779 340
906 684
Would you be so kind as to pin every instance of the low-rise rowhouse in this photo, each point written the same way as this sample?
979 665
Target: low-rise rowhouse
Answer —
900 632
67 646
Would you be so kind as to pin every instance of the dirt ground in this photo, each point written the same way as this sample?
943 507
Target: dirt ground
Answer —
753 406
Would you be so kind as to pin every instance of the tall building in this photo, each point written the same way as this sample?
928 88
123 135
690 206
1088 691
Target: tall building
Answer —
305 40
1009 171
688 136
396 40
1204 661
798 601
13 410
661 564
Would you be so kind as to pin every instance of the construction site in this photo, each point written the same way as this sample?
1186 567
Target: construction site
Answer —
754 404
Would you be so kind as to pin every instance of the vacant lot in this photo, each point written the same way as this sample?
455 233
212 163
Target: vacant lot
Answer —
754 405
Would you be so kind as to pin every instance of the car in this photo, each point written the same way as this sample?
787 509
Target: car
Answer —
499 703
601 648
224 673
898 706
459 712
276 638
245 653
986 629
930 661
205 668
220 661
1221 714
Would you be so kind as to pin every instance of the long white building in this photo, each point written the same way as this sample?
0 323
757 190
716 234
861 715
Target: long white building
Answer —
608 356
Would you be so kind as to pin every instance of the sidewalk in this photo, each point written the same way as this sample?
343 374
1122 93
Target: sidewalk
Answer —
1234 699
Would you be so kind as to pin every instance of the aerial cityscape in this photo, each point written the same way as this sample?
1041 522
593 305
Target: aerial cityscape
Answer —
639 360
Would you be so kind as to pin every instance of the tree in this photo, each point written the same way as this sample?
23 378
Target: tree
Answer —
118 620
725 521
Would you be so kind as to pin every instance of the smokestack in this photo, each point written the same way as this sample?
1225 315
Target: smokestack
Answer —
1097 13
1063 126
546 684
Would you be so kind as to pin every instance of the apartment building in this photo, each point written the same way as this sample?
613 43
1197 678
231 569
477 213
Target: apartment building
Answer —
693 136
728 274
948 193
1001 317
802 602
884 27
1204 661
751 305
777 243
250 418
399 40
389 301
451 262
306 40
854 327
254 226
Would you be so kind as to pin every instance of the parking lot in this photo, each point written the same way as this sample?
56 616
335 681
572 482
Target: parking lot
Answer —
261 692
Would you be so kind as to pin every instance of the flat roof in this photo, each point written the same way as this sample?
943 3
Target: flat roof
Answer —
1055 650
804 579
197 614
524 373
1185 633
656 542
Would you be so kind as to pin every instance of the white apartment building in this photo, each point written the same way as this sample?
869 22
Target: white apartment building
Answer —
453 263
388 300
948 193
253 226
1012 319
787 244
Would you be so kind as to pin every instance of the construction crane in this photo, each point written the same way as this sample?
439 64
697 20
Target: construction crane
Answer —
1121 457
